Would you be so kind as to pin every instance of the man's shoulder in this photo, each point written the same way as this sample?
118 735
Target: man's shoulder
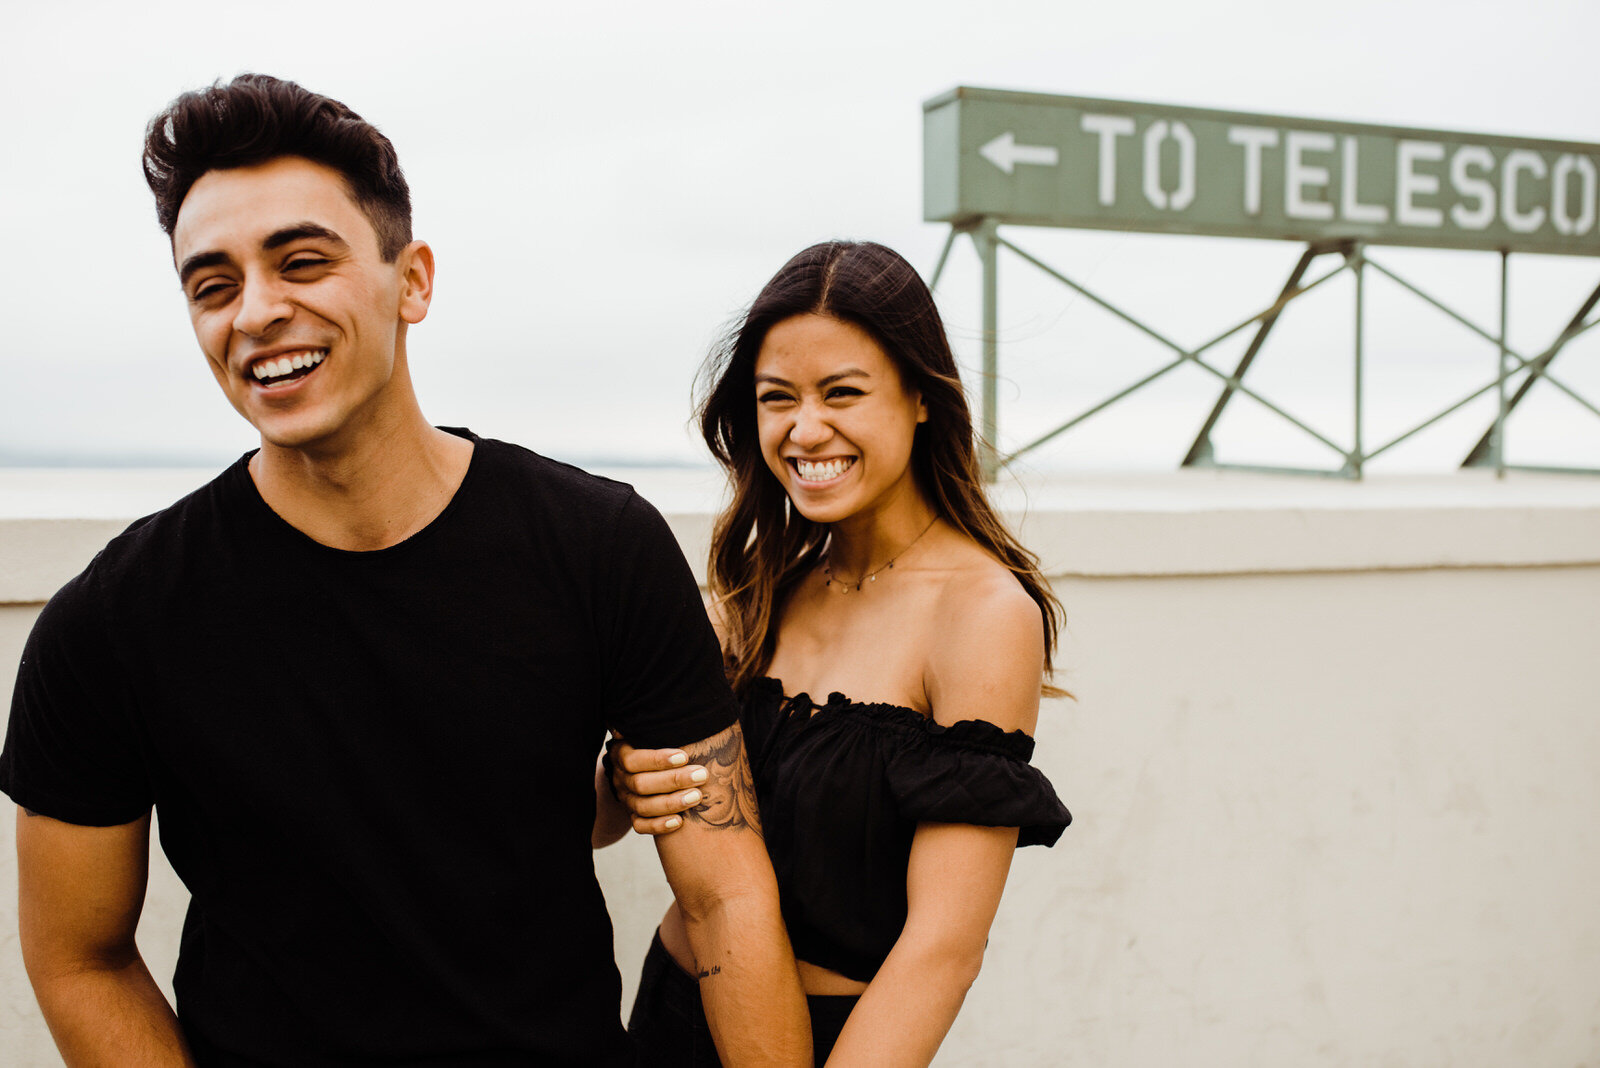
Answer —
139 550
571 489
559 503
181 521
143 560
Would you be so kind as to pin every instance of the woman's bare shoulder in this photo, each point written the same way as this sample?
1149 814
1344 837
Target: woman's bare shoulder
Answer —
988 658
979 586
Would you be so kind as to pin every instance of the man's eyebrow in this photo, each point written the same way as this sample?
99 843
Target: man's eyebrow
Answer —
299 232
277 239
199 262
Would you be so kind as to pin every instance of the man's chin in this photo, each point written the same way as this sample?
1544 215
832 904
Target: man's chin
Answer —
283 429
296 435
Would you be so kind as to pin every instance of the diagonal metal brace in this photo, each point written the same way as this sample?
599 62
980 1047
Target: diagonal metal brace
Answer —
1480 454
1183 355
1200 451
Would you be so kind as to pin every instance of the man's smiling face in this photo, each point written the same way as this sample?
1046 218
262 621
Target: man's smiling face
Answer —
298 315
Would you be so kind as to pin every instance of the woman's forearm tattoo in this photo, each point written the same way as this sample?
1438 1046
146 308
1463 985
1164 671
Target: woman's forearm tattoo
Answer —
728 796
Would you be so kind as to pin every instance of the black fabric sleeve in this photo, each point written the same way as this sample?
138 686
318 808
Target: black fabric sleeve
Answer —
69 750
664 684
972 772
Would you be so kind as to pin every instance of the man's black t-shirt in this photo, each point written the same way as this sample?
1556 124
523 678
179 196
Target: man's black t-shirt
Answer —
373 770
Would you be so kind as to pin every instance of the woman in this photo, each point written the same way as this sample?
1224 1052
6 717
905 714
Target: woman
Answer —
859 557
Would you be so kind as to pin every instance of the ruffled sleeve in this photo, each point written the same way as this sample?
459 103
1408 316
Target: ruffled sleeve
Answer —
972 772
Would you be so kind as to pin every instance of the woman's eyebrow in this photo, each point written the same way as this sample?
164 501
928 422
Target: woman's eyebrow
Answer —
824 382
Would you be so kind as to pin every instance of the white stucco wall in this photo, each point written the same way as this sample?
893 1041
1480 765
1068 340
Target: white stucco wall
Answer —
1332 762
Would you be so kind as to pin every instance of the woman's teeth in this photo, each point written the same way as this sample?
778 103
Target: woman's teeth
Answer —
823 471
270 371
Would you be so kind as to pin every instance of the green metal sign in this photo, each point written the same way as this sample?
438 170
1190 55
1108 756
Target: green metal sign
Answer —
1033 159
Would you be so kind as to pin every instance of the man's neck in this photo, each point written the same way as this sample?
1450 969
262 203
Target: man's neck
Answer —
370 493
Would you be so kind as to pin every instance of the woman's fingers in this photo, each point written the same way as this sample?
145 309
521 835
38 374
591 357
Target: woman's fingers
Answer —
658 814
657 785
650 806
634 760
652 783
651 771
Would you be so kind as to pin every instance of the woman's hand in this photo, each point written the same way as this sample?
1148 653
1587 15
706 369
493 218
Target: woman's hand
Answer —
655 785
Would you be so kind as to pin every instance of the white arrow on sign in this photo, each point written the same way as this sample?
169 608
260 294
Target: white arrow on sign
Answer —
1005 153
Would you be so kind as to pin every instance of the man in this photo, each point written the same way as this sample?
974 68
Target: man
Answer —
334 670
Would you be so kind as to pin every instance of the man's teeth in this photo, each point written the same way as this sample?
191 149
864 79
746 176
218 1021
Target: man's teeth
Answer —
284 365
821 472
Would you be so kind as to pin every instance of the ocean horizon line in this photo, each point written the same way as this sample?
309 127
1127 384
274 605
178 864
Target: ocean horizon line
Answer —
186 460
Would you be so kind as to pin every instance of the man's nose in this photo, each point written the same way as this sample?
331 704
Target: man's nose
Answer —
262 306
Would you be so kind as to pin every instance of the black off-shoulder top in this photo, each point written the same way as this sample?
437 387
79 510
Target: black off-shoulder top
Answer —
842 787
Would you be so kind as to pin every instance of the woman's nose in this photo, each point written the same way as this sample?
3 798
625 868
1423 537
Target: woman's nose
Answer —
810 428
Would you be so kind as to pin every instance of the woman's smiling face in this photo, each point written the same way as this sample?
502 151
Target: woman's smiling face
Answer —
835 419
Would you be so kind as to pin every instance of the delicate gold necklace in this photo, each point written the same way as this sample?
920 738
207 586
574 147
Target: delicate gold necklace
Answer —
871 576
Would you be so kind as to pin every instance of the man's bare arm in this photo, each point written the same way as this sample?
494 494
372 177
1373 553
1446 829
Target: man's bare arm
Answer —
81 892
728 796
719 871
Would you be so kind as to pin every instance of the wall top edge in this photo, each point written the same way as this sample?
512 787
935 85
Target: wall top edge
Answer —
1097 538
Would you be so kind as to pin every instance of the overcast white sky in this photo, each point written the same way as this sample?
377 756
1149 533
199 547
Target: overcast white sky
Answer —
605 184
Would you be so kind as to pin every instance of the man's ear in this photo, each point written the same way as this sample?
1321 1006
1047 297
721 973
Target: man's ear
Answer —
415 264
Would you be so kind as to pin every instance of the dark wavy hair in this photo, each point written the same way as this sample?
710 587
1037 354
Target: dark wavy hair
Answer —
256 118
760 546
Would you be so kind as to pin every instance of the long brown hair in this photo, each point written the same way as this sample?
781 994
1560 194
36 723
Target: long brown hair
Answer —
761 546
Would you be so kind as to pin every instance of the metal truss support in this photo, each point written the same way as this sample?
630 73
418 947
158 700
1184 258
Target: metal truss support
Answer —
1183 356
987 241
1356 257
1497 440
1490 448
1200 454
